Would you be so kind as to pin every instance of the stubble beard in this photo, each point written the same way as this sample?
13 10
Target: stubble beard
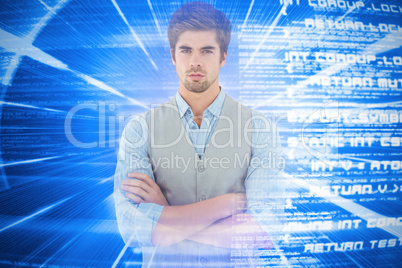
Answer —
196 86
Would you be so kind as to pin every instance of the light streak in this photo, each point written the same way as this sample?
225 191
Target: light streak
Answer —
351 206
116 262
245 20
137 39
154 17
24 47
37 213
29 161
270 29
29 106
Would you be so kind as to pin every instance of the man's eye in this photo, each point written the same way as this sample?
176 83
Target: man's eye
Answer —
185 51
207 51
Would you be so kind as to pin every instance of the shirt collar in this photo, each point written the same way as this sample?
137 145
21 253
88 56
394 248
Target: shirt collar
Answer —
215 108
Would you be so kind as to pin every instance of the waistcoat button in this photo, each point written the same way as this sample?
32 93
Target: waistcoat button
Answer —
201 168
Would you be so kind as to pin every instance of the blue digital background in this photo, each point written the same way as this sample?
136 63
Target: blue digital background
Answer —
74 72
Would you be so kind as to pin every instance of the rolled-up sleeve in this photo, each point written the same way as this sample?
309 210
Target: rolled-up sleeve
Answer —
265 185
136 222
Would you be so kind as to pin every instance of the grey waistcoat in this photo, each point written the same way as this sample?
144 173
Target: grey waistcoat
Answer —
186 179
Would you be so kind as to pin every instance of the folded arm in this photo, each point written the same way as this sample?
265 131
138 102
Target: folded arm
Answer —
238 231
177 223
261 225
144 214
218 221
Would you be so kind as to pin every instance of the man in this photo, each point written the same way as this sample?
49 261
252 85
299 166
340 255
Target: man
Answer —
195 181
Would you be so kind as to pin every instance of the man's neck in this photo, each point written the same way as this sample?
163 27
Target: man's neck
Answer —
199 102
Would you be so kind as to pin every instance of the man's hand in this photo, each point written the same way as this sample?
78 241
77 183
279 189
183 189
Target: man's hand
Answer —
143 189
177 223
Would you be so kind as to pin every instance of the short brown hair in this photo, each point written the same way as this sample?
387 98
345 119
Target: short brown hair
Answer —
199 16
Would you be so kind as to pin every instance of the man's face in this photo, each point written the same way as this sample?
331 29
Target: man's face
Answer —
198 60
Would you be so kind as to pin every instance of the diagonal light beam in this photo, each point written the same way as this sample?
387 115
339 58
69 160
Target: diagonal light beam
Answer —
116 262
29 106
270 29
137 39
246 19
29 161
352 207
15 61
154 17
23 46
45 19
37 213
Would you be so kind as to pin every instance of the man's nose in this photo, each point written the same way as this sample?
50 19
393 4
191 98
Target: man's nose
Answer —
195 60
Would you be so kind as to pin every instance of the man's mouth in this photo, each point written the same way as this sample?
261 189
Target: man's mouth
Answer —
196 76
